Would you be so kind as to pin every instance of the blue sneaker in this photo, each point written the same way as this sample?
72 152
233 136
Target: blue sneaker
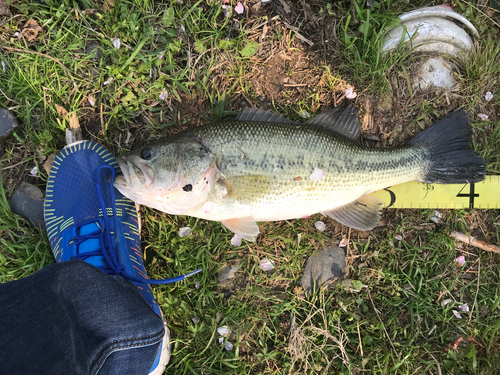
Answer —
88 219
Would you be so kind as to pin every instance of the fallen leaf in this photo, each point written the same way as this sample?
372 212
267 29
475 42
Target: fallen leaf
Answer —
239 8
48 163
266 264
108 4
164 94
236 240
225 10
437 217
317 175
483 117
320 226
61 111
464 307
116 42
31 30
227 346
224 331
350 94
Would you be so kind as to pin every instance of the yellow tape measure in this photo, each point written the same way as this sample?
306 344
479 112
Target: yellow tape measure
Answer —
484 194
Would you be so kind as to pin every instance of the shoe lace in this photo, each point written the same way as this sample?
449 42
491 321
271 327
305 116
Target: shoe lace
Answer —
104 236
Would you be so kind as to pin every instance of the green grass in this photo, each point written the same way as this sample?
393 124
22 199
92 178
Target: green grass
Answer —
207 66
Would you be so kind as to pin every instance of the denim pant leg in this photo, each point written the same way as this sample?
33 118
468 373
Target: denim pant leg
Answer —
72 318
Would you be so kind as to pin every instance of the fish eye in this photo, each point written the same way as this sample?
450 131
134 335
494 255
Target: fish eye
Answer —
187 187
146 153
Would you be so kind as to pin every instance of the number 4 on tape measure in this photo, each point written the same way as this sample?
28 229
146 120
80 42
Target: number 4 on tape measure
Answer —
472 194
484 194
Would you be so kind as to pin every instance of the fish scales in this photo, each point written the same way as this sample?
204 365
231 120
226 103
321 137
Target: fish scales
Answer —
283 156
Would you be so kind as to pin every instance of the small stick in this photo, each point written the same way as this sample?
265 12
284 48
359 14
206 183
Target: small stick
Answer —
383 326
300 36
470 240
360 343
477 289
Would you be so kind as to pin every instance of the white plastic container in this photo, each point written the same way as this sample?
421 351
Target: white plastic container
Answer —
433 30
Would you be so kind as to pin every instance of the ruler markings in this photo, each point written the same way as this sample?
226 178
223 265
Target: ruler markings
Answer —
484 194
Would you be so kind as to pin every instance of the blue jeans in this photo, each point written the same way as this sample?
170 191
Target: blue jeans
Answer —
72 318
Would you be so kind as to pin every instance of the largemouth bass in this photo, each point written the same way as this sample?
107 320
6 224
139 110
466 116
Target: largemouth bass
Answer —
264 167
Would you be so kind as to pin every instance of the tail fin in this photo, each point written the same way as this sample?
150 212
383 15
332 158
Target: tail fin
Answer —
448 142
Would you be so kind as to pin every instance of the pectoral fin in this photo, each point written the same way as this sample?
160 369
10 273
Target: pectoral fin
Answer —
362 214
247 189
245 227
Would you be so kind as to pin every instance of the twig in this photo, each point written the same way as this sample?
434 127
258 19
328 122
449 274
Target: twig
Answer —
15 165
437 363
9 98
383 326
477 289
470 240
360 343
300 36
436 277
47 56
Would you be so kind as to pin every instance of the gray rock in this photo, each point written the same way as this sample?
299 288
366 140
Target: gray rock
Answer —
27 202
324 266
8 123
94 50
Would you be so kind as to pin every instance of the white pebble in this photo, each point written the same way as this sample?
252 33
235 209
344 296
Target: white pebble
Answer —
183 232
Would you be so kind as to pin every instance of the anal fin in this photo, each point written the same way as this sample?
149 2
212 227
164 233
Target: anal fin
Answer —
245 227
362 214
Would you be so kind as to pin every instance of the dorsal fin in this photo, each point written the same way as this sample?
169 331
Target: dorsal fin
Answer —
260 115
342 120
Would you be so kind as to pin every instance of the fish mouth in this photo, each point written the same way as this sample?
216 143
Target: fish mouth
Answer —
132 171
124 168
